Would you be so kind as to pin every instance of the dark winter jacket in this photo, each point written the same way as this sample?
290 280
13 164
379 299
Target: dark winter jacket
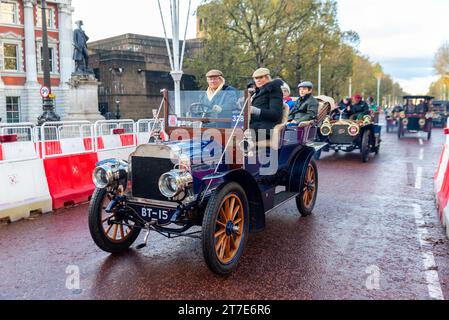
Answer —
359 110
305 109
269 99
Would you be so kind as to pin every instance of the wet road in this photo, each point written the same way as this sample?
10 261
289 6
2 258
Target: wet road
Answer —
374 235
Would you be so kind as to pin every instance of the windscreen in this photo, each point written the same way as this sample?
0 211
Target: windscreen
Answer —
204 109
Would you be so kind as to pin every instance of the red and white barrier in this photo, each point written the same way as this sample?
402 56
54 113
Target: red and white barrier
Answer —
22 176
115 139
441 181
69 161
51 167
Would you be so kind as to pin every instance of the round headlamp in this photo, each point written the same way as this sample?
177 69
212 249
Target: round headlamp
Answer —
326 130
405 122
353 130
172 183
422 122
103 177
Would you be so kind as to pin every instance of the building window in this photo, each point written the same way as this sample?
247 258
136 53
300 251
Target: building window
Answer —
12 109
8 12
10 57
51 56
49 15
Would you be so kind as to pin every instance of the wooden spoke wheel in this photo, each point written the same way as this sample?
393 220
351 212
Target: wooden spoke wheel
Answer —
225 228
110 231
309 191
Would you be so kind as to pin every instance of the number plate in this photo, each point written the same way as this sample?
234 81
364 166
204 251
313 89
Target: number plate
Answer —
162 215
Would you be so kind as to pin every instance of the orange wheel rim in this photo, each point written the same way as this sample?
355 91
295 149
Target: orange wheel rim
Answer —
229 228
116 233
309 187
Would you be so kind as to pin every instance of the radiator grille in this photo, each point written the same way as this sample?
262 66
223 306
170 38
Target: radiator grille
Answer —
145 177
340 135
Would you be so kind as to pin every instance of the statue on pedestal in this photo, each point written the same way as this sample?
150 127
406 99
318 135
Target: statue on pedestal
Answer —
81 54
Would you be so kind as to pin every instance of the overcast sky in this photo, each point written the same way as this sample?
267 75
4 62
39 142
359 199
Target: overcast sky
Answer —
402 35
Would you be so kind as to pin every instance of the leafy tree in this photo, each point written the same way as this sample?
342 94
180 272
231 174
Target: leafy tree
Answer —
441 61
288 37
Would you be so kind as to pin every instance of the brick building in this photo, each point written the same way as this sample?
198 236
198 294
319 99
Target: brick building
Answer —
133 69
21 57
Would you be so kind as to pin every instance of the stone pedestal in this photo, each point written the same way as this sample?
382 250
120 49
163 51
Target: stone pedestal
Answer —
83 99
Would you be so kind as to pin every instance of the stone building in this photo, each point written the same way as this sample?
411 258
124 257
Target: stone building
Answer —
133 69
21 57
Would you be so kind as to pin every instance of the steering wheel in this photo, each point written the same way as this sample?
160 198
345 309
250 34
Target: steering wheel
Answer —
200 109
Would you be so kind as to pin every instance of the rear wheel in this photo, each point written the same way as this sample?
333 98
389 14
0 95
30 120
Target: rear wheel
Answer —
225 229
365 148
429 134
309 191
107 229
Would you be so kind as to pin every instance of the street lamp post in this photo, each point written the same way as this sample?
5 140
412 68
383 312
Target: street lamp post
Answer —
117 74
48 107
319 69
176 56
379 80
350 87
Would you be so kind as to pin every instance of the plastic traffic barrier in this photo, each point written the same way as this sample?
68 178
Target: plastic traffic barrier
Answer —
23 182
70 178
441 181
115 139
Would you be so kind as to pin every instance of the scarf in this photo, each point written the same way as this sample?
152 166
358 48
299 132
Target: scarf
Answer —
211 94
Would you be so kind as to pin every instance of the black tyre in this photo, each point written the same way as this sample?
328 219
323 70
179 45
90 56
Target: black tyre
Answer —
309 191
106 231
400 128
225 229
429 134
365 147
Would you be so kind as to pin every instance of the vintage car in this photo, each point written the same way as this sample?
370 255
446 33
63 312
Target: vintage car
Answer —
392 118
440 113
206 182
416 116
344 134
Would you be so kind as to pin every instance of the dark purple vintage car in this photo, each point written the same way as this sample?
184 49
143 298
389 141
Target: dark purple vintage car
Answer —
209 181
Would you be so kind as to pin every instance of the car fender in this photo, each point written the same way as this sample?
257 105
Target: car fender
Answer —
249 184
298 169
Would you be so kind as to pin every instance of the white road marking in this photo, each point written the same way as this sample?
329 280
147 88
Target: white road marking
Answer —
421 141
421 154
431 273
418 181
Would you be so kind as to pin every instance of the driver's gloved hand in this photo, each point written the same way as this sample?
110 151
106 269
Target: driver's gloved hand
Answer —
217 109
255 111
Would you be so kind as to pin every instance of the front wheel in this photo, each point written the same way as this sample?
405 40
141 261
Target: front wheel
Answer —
225 229
309 191
111 232
365 148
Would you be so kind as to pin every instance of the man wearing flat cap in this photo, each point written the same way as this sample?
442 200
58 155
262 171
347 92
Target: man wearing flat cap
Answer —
306 108
267 106
219 99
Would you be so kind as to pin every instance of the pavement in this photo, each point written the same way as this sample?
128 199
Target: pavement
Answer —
374 234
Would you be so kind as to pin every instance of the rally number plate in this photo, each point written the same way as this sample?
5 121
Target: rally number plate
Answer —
161 215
